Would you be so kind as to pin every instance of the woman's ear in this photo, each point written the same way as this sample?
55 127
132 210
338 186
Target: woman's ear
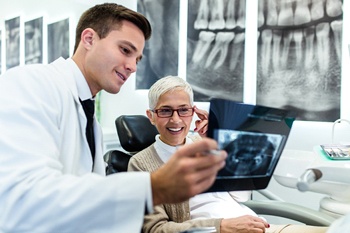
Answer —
150 116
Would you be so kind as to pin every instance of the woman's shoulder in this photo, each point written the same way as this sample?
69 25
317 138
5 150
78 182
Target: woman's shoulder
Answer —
145 155
146 160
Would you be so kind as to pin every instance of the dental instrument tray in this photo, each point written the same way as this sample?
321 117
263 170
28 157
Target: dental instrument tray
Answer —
337 151
253 137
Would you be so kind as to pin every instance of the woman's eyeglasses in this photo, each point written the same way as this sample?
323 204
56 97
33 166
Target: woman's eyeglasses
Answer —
168 112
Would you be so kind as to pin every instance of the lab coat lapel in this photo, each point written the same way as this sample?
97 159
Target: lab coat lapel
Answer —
70 81
99 164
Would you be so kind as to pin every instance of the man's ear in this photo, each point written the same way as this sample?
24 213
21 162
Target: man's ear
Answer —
150 116
87 37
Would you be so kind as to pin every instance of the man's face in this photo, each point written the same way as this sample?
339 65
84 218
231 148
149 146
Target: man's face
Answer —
172 130
110 61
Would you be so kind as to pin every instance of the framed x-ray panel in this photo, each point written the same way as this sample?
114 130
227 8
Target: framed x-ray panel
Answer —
161 52
215 48
33 43
58 40
12 28
299 57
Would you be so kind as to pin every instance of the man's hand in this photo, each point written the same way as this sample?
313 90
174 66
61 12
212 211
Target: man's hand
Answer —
202 123
190 171
243 224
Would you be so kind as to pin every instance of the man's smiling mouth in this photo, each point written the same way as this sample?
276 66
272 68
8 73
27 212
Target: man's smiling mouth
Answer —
121 76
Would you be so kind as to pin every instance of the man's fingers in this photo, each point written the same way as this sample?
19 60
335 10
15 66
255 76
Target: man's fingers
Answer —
191 169
203 177
197 147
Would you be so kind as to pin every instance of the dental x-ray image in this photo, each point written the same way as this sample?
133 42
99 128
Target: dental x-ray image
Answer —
33 41
249 154
253 136
161 52
215 48
299 57
12 42
58 40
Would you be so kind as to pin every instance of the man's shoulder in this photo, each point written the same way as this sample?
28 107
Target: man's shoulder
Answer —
36 71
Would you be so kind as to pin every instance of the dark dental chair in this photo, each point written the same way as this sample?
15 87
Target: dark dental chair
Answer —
135 133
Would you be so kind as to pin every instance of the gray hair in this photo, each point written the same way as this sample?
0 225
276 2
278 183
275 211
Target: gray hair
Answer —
168 83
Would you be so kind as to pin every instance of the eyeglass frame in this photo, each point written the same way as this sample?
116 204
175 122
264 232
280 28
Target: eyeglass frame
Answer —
172 112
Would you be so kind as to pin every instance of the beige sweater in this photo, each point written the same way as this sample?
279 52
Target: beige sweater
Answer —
166 218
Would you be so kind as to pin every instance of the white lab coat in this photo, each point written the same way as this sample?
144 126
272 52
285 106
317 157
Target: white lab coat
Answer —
46 184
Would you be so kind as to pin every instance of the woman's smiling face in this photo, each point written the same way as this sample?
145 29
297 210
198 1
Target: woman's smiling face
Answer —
174 129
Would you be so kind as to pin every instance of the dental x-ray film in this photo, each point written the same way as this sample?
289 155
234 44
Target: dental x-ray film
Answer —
253 136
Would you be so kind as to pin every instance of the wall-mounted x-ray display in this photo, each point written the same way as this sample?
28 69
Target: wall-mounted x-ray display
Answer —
33 30
161 52
299 57
58 40
215 52
12 27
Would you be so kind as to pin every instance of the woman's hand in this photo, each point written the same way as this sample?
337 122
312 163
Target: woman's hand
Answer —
243 224
202 123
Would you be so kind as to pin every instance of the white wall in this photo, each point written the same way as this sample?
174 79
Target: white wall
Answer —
304 135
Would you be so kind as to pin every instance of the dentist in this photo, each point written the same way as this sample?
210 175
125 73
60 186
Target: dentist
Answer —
51 180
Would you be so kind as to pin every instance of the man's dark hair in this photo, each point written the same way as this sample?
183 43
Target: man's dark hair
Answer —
106 17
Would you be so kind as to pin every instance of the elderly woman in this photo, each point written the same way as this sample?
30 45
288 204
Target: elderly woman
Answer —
171 110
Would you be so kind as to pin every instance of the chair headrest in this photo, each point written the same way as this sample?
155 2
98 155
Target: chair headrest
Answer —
135 132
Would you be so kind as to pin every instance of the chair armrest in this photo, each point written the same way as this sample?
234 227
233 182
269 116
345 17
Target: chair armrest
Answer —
290 211
117 161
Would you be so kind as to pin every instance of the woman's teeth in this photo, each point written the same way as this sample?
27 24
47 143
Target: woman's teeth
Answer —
175 129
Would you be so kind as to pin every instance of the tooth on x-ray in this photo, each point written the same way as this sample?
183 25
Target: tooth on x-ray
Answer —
322 44
241 14
261 17
203 15
272 16
302 14
309 34
298 39
334 8
317 11
216 15
287 39
276 49
337 27
285 16
236 50
205 39
222 42
266 38
230 15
